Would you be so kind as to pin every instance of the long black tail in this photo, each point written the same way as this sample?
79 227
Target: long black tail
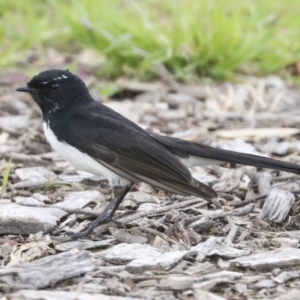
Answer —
201 153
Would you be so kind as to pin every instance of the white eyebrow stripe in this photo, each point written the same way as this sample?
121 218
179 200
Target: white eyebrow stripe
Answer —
60 77
56 78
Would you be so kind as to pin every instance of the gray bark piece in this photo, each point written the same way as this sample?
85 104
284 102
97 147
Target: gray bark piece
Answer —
59 295
164 261
36 177
211 284
203 295
145 257
277 205
124 237
281 257
286 275
228 275
293 294
140 197
263 180
177 282
79 177
20 219
229 180
201 269
215 246
241 146
128 252
35 173
265 283
46 271
14 122
83 245
282 148
78 200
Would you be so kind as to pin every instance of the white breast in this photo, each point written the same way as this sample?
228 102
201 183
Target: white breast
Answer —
81 160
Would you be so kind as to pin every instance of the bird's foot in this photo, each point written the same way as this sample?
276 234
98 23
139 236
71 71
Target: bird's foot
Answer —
85 232
118 223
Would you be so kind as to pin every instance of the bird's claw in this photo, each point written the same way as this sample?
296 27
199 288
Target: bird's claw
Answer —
85 232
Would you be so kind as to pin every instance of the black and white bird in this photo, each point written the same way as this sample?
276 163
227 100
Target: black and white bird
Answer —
98 140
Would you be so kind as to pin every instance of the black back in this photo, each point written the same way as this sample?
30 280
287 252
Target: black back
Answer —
108 137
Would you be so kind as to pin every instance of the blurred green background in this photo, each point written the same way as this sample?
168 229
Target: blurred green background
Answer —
211 38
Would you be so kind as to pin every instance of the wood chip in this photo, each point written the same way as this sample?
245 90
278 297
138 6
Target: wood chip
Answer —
14 122
46 271
256 133
241 146
21 219
83 245
203 295
176 283
215 246
164 261
59 295
228 181
140 86
263 182
34 177
292 294
35 173
286 275
128 252
258 117
29 252
277 205
17 219
124 237
282 257
201 269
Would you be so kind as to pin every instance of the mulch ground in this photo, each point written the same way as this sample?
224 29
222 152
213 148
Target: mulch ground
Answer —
243 245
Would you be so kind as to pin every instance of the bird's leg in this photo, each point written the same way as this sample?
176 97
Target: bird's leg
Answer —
107 214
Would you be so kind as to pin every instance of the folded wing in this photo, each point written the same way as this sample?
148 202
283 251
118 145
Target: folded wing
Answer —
129 151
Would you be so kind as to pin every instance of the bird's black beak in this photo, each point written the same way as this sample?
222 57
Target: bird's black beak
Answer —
25 89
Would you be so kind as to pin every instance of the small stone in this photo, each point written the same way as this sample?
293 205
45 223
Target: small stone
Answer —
265 283
276 272
240 288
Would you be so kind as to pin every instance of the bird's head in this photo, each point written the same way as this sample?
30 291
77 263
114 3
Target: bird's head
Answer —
54 90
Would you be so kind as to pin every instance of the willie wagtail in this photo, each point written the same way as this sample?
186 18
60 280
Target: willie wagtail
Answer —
96 139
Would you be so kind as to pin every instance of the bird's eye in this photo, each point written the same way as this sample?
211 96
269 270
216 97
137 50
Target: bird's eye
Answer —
54 86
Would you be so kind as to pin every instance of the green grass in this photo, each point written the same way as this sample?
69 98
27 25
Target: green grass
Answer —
213 38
